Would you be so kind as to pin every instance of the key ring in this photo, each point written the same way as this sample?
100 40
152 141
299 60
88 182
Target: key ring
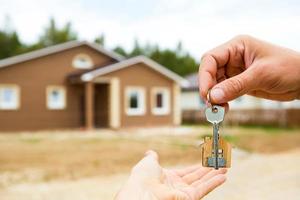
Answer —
213 108
208 97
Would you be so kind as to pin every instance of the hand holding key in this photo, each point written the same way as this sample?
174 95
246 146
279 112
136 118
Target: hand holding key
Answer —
246 65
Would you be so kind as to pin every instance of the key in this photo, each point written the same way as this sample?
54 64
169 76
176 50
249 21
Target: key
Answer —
216 152
215 114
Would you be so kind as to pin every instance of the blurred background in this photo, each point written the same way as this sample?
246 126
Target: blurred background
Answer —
59 140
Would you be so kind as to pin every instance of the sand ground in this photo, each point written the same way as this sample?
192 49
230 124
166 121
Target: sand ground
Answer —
252 176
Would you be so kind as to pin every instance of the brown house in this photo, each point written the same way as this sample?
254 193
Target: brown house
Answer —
79 84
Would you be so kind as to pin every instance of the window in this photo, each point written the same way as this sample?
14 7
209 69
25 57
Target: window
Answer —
9 97
56 97
135 101
160 101
82 61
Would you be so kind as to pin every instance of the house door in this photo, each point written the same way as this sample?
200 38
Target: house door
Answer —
101 105
82 110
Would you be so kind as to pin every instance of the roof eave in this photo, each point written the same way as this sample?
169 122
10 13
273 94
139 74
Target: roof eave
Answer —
131 61
55 49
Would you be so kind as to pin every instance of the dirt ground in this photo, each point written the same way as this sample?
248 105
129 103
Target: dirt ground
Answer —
71 165
253 176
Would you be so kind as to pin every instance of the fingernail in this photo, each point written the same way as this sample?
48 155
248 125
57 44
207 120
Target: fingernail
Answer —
217 95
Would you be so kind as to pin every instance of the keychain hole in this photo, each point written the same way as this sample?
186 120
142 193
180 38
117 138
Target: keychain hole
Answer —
214 109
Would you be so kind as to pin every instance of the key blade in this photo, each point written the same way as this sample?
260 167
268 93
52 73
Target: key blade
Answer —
216 144
215 114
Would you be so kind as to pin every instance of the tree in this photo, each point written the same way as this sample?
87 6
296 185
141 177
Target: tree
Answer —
9 41
176 60
100 40
121 51
137 49
53 35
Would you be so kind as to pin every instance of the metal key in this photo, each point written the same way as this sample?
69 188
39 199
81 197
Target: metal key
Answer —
216 152
215 115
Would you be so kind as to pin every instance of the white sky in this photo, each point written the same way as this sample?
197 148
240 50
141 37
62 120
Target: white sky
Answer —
199 24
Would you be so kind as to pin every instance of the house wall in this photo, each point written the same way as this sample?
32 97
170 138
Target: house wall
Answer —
191 100
140 75
33 77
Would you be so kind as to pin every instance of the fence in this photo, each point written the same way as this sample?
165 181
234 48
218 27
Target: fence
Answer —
275 117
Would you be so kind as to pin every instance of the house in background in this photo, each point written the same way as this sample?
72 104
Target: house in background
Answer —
190 98
79 84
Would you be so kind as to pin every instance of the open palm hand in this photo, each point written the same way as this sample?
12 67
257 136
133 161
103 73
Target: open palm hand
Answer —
149 180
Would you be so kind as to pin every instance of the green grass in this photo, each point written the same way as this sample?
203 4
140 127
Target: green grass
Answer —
32 140
231 138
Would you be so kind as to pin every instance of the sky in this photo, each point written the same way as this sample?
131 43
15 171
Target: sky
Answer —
199 24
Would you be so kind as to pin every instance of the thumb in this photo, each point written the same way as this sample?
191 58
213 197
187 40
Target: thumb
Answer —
233 87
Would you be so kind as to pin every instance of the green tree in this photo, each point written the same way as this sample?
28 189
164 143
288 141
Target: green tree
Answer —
100 40
176 60
120 50
53 35
137 49
9 41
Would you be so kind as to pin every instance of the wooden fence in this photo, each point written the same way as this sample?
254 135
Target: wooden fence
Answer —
276 117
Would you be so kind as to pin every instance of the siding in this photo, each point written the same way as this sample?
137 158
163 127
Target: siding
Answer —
141 75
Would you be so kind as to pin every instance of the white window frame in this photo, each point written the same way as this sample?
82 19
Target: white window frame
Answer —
166 101
16 90
84 56
49 90
141 110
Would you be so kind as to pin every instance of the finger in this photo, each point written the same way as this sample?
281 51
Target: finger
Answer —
209 175
196 175
210 185
187 170
288 96
152 153
234 87
221 78
206 77
210 63
221 73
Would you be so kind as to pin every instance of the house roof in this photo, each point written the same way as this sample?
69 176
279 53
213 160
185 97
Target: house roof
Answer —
129 62
55 49
193 82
